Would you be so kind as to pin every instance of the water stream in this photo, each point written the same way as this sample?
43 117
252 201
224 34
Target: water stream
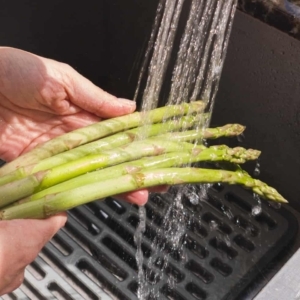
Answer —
184 61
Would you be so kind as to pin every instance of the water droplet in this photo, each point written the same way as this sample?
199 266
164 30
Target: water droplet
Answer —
256 171
194 198
256 210
227 240
274 204
227 212
241 138
213 225
203 191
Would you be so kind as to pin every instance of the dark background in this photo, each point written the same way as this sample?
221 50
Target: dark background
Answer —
105 41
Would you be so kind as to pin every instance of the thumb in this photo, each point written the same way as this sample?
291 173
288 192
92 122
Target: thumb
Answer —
84 94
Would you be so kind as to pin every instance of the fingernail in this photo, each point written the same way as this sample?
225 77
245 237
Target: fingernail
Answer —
127 102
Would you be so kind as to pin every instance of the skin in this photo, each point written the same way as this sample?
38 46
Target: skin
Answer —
39 99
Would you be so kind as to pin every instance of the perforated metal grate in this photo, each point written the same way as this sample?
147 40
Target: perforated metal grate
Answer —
224 248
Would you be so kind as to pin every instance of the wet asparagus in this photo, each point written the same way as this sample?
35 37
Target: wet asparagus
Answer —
54 203
104 128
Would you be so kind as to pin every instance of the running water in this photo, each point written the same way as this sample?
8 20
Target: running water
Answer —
139 253
199 47
200 54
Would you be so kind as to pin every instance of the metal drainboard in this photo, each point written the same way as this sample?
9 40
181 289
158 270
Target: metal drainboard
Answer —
93 257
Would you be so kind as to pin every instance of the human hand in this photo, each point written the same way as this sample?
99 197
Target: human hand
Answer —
41 98
20 243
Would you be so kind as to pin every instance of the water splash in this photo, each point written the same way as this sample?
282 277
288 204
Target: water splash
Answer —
142 284
213 225
199 49
257 209
256 171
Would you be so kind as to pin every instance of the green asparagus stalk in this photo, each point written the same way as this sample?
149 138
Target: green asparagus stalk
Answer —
161 161
228 130
120 139
93 132
54 203
95 147
152 162
44 179
114 141
47 178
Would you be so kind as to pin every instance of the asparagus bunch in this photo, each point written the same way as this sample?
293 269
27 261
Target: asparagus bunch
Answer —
99 161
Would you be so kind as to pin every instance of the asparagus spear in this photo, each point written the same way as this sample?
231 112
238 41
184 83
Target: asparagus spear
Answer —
228 130
54 203
93 132
44 179
115 140
125 138
161 161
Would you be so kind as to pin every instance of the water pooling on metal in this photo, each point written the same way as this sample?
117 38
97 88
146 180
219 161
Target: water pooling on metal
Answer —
199 46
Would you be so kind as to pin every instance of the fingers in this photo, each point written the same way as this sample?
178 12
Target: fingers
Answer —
84 94
140 197
20 243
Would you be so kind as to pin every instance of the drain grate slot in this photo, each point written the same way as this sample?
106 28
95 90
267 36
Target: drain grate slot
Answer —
196 292
115 205
221 267
195 209
170 270
150 233
266 220
172 294
215 223
244 243
200 272
61 245
216 203
120 251
10 296
58 292
85 222
198 229
108 264
238 202
58 266
92 273
31 291
222 247
121 231
133 287
196 248
36 271
246 225
77 236
217 187
158 201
